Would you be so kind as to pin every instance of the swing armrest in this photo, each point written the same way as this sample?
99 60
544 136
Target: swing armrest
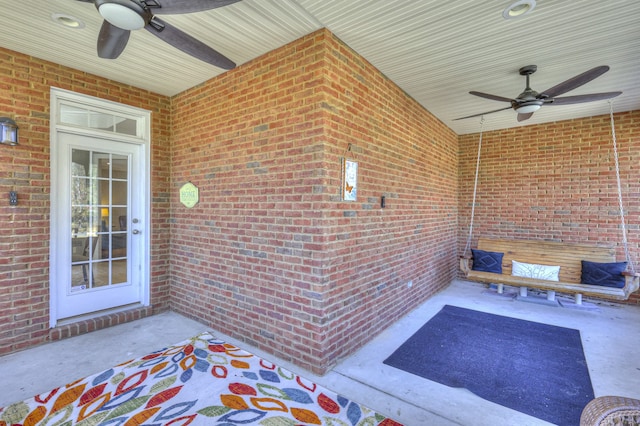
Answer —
465 263
631 282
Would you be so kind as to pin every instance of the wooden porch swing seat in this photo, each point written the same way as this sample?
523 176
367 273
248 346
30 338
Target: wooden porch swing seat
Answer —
568 256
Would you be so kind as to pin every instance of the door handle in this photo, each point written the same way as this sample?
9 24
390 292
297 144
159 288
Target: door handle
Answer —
135 232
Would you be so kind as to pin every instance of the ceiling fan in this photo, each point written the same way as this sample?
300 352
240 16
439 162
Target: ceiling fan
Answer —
123 16
529 101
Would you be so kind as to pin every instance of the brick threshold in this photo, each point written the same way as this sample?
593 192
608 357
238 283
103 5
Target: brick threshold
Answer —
82 325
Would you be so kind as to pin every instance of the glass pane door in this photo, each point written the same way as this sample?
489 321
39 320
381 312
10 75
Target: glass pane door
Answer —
99 200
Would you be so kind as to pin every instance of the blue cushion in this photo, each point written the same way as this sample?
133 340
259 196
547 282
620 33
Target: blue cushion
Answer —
606 274
487 261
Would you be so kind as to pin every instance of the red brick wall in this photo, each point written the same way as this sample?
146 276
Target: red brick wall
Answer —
407 155
24 243
271 255
555 181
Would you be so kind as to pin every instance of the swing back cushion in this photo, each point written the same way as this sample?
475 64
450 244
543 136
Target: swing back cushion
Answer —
531 270
487 261
606 274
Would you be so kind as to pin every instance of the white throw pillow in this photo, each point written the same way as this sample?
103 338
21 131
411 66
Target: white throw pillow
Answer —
531 270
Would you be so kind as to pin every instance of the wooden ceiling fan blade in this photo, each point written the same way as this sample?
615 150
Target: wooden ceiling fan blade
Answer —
575 82
176 7
492 97
525 116
112 41
567 100
482 113
188 44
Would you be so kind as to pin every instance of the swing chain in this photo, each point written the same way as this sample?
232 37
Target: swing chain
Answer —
475 190
625 243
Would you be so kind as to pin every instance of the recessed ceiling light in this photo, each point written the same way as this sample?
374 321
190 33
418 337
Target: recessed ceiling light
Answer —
67 20
518 9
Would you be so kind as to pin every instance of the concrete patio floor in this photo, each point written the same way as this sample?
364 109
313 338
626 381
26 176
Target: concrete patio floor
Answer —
610 335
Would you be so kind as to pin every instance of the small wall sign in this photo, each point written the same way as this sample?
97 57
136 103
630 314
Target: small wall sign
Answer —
349 180
189 195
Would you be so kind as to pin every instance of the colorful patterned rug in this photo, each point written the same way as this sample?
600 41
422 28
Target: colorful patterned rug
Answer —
201 381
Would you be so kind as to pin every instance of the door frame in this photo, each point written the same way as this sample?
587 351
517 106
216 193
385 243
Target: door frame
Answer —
142 139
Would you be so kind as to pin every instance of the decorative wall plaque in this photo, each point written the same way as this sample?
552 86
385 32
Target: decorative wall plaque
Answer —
189 195
349 180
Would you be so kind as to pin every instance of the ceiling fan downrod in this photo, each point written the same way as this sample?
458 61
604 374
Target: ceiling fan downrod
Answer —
529 100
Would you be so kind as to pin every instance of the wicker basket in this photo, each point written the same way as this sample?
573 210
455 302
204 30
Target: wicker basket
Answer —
611 411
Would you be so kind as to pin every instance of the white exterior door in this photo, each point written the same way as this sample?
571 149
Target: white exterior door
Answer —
99 244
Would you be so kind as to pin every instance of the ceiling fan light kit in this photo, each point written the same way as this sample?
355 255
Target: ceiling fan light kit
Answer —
528 107
126 15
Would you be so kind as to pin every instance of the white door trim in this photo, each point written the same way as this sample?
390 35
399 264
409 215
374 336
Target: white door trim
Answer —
142 139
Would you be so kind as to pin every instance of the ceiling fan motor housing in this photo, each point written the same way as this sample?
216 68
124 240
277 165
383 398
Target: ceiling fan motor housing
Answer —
530 100
125 14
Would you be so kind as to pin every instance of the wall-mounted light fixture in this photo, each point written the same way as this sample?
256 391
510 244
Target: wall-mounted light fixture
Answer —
8 131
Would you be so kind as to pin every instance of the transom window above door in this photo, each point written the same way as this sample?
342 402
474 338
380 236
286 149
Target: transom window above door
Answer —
92 118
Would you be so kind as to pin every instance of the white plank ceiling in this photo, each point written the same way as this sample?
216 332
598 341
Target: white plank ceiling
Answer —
436 51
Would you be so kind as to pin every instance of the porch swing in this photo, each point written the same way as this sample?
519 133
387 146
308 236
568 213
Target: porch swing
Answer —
551 266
